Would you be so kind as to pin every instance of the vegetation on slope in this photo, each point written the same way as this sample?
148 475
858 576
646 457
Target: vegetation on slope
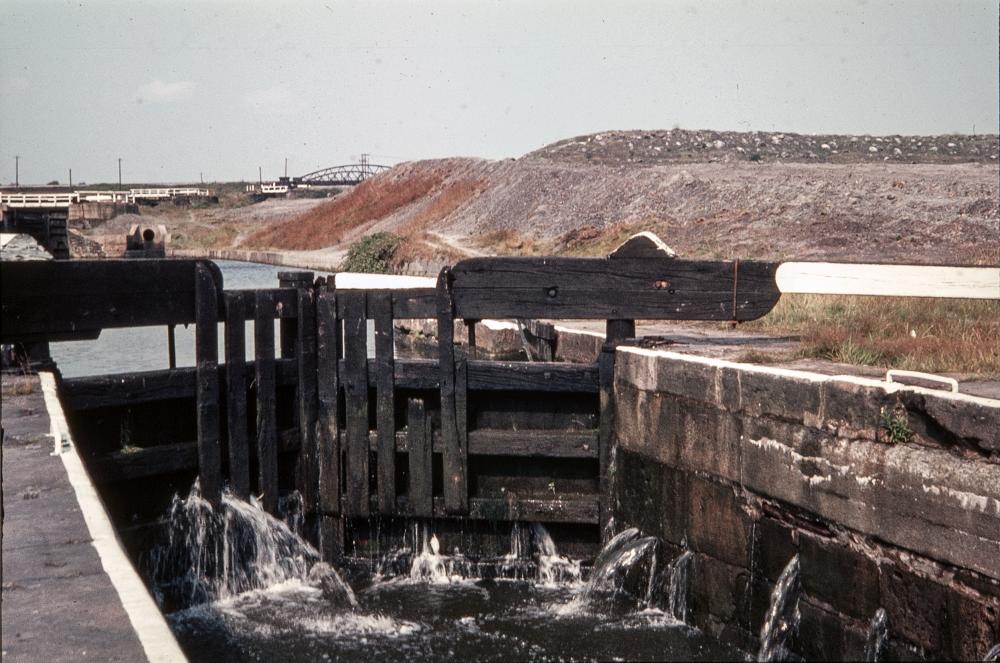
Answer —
921 334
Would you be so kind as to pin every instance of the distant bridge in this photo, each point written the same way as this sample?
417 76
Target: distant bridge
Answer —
348 175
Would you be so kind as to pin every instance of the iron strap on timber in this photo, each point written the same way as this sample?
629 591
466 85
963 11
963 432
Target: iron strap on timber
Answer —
359 429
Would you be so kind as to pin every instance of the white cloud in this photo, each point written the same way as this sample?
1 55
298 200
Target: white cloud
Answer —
158 91
276 99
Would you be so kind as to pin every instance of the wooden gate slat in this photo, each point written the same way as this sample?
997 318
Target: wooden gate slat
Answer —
456 494
307 393
328 426
356 400
420 459
207 381
267 452
381 304
236 395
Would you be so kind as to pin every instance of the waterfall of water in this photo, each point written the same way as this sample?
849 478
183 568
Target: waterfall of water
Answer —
783 614
623 567
878 637
429 565
678 590
553 568
992 655
210 555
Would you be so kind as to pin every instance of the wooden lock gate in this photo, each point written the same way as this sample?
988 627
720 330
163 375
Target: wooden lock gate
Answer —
370 432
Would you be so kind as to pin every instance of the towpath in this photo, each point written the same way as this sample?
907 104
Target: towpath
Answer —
60 602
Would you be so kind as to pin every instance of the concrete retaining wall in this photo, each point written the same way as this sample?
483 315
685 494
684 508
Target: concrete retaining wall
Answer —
749 466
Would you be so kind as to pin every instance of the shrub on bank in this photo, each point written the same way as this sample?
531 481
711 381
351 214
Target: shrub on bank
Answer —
372 254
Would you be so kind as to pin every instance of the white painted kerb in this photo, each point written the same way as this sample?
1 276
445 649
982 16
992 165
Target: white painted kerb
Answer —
888 387
147 621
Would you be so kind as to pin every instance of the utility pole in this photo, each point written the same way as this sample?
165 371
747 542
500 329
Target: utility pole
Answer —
286 168
17 171
71 178
202 177
119 173
260 177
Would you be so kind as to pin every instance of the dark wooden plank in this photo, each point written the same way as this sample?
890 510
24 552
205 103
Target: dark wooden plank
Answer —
120 389
207 385
305 354
533 443
328 349
352 305
171 347
288 326
407 303
563 509
589 288
331 538
623 274
236 396
576 304
97 391
286 303
267 456
380 309
414 303
485 375
144 462
420 459
456 495
606 429
46 298
617 330
533 376
470 329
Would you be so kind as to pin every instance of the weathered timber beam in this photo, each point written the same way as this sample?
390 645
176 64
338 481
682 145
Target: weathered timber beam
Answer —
496 375
143 462
89 392
534 443
58 297
576 509
618 289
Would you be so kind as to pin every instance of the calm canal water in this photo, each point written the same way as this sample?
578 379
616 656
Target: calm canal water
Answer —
145 348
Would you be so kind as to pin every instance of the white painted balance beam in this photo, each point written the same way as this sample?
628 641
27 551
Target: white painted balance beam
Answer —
831 278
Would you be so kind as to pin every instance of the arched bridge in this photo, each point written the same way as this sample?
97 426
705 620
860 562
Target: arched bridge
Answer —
354 173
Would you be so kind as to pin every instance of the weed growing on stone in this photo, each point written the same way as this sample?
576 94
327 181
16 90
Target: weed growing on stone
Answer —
896 426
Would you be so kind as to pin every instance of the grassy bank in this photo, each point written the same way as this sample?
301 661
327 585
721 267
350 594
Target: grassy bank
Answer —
934 335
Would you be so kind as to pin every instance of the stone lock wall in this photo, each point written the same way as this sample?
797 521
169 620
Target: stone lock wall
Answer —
890 496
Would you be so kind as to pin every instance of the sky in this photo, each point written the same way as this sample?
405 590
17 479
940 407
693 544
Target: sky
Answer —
217 89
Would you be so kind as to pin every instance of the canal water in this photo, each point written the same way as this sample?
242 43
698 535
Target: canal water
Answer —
145 348
239 585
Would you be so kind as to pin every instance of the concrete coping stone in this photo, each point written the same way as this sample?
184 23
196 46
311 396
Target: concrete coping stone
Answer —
818 378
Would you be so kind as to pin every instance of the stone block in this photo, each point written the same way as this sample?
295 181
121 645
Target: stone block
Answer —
821 635
639 493
647 423
917 608
854 410
973 626
716 588
773 547
955 422
707 439
719 526
695 381
729 388
676 506
843 578
785 397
